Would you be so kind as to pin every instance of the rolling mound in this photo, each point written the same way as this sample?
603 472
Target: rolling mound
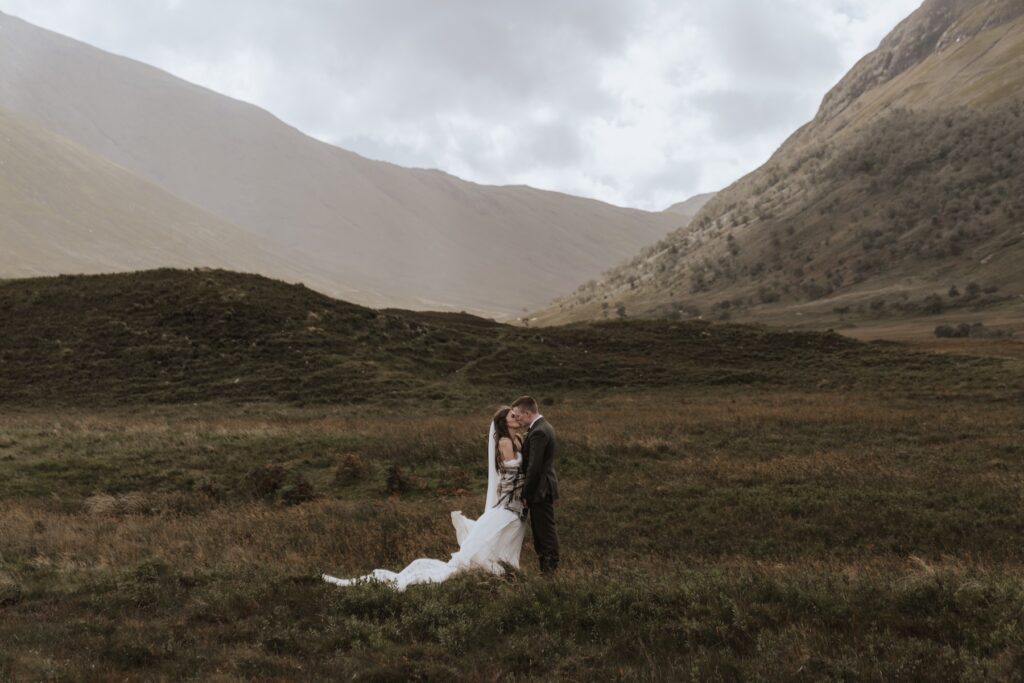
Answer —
169 336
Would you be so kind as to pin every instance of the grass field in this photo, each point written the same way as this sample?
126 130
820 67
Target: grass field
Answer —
732 534
857 516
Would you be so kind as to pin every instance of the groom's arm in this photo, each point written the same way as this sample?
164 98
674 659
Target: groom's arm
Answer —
538 453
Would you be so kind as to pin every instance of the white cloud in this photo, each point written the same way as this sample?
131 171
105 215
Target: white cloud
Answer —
639 103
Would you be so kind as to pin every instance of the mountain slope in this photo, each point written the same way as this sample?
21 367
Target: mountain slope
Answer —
67 210
692 206
417 238
904 197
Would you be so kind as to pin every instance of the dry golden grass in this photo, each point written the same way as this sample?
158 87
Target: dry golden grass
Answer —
740 533
186 528
316 534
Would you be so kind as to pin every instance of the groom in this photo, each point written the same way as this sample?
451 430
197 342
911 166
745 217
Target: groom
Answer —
541 488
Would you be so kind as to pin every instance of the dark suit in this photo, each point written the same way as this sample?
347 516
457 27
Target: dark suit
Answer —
541 491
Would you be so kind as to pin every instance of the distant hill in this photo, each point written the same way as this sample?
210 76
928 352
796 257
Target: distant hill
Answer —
170 336
902 199
65 209
692 206
382 234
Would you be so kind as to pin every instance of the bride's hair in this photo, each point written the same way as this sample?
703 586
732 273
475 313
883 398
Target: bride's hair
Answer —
501 431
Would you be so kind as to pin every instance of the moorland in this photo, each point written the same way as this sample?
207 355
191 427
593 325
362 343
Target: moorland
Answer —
182 453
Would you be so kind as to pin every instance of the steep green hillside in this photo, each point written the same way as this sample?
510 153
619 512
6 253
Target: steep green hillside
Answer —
904 194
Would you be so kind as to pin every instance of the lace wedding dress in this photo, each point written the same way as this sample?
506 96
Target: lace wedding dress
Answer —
495 538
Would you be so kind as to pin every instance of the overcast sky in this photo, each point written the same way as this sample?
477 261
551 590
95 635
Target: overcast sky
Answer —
636 102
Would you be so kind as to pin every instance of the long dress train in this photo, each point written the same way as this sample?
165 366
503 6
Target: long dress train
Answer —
495 538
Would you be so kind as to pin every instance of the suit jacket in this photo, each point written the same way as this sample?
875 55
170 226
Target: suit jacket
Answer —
539 451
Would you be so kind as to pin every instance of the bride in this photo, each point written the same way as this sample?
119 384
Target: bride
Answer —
490 541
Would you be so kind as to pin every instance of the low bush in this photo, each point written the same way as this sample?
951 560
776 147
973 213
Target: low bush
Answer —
396 482
973 331
351 468
265 481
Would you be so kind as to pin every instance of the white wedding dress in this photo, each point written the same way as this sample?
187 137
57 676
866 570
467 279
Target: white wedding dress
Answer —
495 538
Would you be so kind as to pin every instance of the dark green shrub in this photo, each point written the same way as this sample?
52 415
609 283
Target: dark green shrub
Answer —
264 481
298 490
396 482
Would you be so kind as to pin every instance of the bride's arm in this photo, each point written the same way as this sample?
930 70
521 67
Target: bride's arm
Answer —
506 450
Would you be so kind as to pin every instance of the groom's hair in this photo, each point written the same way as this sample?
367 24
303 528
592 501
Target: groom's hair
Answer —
527 403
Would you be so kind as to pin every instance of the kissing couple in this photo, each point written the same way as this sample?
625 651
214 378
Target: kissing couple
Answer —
521 486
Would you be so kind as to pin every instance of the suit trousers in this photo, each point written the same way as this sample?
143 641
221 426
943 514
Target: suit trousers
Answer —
545 536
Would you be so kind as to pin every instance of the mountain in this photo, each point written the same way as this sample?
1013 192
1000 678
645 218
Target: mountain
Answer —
692 206
171 336
410 237
65 209
902 199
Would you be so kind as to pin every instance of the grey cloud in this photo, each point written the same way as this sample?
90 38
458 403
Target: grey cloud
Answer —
742 115
777 42
556 144
499 91
664 184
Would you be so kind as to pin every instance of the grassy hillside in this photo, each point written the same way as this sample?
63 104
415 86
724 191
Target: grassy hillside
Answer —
903 193
183 336
692 206
738 504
